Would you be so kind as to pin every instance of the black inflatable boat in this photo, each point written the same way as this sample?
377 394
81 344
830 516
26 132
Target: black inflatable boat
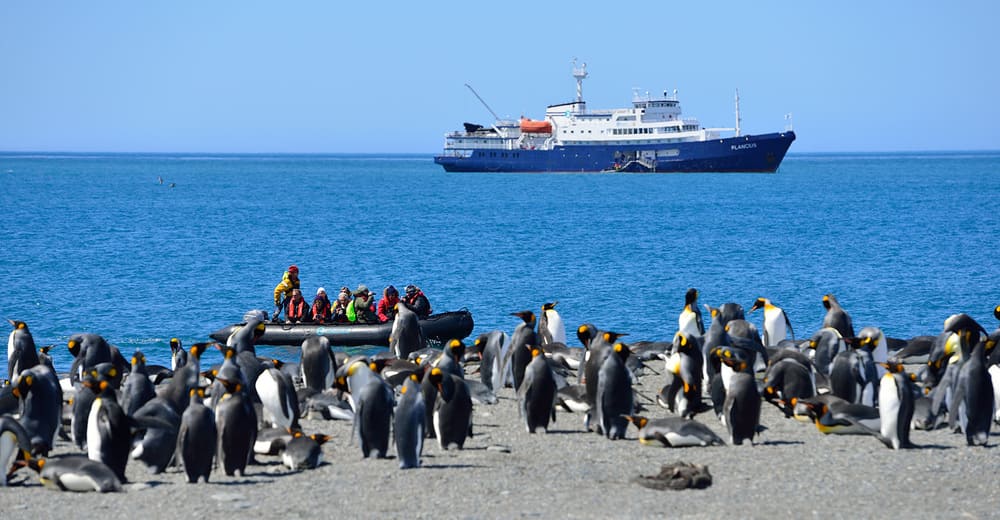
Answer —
437 327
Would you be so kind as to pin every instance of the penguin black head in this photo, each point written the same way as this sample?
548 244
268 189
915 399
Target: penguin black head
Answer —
175 345
320 438
682 343
612 337
457 349
996 312
622 351
828 301
17 324
549 306
227 351
138 358
231 387
759 303
259 329
965 326
527 316
691 296
893 366
535 352
586 333
436 377
74 346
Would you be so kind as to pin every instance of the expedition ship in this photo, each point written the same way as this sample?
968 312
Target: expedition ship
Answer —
651 136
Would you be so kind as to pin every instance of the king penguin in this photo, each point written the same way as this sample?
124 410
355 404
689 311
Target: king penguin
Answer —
550 326
317 364
690 321
198 438
974 397
674 432
600 347
373 411
521 342
406 335
277 395
742 408
895 406
304 451
14 440
41 412
138 388
537 395
452 409
614 396
836 317
776 323
408 424
490 346
75 473
109 436
21 352
236 424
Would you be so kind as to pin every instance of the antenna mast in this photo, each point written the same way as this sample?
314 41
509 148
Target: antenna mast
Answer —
580 73
474 93
738 118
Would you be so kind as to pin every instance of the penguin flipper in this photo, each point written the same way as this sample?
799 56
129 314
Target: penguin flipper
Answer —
788 324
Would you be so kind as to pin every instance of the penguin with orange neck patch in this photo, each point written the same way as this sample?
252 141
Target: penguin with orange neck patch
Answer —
537 395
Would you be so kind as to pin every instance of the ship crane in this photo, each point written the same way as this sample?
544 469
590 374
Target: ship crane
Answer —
495 116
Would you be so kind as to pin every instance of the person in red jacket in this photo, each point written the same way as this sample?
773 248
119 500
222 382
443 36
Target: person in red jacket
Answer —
387 305
321 307
296 309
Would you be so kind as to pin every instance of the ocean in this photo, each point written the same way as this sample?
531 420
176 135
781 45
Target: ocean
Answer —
94 243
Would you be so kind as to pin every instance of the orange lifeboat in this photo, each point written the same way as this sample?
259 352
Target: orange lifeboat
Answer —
535 127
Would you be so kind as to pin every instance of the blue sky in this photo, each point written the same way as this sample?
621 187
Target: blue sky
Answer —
342 77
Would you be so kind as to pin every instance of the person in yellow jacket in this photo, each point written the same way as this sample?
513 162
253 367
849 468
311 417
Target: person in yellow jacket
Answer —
283 291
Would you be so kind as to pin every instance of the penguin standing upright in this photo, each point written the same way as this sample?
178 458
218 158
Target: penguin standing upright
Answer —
742 408
408 424
178 356
689 321
138 389
550 326
21 352
872 340
824 345
452 409
600 347
406 335
895 406
685 367
836 317
849 378
776 323
317 364
198 438
236 423
41 412
490 347
614 397
521 342
277 395
537 395
974 397
109 436
373 411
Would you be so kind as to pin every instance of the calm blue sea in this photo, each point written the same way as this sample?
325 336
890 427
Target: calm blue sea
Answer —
92 243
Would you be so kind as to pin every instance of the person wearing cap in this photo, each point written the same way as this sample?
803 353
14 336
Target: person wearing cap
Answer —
340 306
283 291
417 301
364 305
387 305
321 307
296 309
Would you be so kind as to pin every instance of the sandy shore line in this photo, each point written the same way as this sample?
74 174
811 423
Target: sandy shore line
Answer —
792 471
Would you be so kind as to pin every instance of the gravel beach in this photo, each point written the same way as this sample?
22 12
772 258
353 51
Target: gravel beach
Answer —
792 471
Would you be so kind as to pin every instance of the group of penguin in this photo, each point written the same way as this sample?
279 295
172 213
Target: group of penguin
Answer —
224 416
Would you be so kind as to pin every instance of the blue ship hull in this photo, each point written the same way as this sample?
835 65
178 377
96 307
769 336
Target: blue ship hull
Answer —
757 153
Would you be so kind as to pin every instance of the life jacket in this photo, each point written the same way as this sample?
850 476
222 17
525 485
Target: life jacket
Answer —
296 311
321 308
